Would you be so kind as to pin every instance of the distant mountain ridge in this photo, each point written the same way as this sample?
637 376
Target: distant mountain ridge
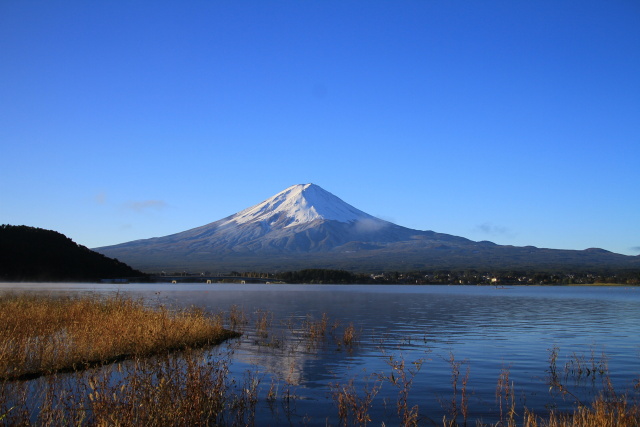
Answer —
305 226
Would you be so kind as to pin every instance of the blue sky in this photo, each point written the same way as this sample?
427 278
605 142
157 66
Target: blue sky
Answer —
515 122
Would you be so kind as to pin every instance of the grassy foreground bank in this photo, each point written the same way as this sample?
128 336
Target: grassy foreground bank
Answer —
42 335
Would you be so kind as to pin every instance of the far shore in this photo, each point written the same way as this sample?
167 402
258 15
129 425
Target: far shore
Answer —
23 284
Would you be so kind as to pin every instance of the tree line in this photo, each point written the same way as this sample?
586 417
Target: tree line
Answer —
450 277
36 254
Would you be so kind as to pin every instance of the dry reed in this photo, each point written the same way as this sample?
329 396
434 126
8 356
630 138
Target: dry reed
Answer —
315 330
349 336
353 407
41 335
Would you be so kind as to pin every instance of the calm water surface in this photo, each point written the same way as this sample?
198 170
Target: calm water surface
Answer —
489 331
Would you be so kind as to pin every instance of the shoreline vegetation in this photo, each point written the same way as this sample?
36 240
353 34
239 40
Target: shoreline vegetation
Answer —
170 378
35 254
42 335
439 277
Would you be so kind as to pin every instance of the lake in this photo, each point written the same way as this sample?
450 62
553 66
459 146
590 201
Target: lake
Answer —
481 332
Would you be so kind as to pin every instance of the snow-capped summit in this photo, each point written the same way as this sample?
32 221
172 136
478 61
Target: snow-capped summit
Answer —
305 226
303 218
300 204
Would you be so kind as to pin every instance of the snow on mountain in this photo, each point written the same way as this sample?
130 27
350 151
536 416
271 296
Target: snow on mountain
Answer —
302 218
300 204
305 226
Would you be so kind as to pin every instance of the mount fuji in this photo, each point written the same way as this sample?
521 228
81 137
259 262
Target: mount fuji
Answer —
305 226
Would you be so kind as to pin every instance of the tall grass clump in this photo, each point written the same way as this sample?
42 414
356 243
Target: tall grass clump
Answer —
191 388
315 330
41 335
353 407
349 336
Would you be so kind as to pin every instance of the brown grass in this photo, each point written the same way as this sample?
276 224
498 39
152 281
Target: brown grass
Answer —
315 330
353 407
189 388
601 413
349 335
264 319
41 335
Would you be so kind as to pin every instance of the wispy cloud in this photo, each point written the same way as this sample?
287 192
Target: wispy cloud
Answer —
101 198
493 230
144 205
369 225
635 248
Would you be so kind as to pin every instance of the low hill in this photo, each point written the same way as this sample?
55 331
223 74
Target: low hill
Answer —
35 254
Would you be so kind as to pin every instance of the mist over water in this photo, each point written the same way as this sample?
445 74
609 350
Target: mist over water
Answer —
487 330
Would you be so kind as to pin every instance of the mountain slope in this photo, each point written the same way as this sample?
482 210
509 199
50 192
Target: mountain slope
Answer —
305 226
35 254
302 218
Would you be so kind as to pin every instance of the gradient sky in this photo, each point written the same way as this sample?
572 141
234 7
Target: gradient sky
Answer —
510 121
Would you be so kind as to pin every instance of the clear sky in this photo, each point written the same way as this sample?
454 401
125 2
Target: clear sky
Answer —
510 121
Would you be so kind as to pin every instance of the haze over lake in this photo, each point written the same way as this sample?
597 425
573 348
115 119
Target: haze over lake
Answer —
488 330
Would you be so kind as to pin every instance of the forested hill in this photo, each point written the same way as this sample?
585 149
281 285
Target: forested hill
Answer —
35 254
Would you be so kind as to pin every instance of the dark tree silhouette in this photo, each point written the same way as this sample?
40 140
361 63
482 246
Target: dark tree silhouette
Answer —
35 254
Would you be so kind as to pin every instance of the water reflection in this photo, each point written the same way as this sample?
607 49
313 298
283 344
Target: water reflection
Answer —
487 330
